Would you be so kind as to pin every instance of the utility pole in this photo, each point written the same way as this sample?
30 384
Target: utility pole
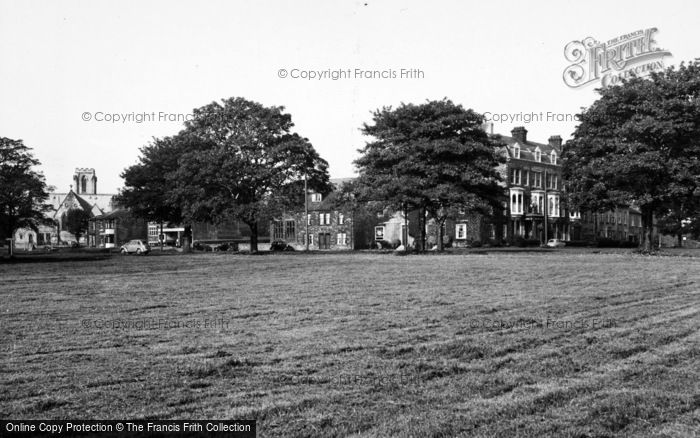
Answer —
546 205
306 212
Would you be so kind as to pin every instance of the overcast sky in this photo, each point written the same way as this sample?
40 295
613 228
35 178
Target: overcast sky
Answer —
65 61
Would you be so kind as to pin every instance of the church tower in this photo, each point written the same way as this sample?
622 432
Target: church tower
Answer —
85 181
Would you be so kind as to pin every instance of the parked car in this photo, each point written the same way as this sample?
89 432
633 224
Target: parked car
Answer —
555 243
137 246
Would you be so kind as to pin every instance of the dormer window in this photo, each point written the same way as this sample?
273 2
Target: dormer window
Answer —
316 197
538 155
516 151
554 157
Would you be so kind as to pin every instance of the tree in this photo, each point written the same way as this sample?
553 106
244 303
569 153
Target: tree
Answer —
434 157
242 162
76 221
23 189
148 185
638 144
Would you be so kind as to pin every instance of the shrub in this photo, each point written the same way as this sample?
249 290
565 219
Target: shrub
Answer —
522 242
612 243
578 243
475 244
278 245
382 244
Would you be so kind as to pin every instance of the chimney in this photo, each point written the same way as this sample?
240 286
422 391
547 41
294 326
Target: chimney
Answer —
555 142
520 134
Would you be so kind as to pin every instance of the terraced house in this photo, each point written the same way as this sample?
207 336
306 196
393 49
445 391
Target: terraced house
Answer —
533 177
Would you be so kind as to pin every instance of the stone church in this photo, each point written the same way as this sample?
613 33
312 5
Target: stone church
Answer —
82 195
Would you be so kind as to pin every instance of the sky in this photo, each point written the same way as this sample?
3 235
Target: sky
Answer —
76 77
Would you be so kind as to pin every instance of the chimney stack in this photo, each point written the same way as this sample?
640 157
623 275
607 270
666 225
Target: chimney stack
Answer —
555 142
520 134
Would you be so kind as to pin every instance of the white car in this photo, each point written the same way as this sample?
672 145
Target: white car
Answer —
555 243
137 246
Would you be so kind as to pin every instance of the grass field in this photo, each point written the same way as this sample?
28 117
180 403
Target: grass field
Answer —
545 344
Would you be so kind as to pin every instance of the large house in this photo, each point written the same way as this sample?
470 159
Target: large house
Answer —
325 226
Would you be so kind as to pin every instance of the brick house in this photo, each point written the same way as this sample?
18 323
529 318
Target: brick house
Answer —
533 179
532 184
111 230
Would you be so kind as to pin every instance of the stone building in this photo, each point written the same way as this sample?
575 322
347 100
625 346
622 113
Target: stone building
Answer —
82 195
328 227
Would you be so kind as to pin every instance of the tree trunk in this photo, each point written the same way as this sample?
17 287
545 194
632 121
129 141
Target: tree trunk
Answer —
187 239
647 228
254 237
680 239
441 245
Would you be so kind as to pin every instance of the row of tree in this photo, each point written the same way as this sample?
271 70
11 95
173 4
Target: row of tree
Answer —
639 143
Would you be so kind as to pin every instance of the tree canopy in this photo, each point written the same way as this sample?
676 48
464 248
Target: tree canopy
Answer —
23 190
434 156
639 143
147 184
235 160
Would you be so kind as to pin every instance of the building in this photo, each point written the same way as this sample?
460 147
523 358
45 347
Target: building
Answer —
533 179
231 231
329 227
82 195
111 230
622 224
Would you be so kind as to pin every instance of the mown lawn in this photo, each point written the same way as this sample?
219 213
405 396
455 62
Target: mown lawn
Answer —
542 345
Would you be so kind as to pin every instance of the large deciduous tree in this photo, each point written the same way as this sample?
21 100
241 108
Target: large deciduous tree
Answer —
639 143
242 162
435 157
23 190
148 184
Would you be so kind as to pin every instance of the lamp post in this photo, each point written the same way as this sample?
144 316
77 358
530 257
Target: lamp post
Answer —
306 213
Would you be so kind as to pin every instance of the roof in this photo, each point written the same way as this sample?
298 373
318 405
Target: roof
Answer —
528 148
327 203
113 215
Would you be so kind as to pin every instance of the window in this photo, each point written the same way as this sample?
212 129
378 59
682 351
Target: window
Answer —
553 205
538 154
290 230
537 179
278 230
461 231
310 237
537 204
516 204
553 157
552 181
515 176
316 197
516 151
308 219
342 239
341 218
324 218
378 233
526 178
